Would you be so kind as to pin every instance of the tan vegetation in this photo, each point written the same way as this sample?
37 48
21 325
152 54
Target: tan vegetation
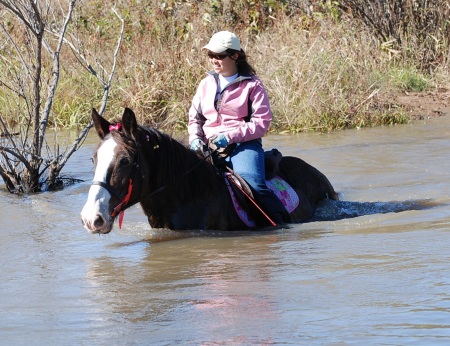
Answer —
325 66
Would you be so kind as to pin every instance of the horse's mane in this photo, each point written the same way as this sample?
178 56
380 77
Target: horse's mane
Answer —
178 167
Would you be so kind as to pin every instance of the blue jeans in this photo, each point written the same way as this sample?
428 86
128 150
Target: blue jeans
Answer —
247 160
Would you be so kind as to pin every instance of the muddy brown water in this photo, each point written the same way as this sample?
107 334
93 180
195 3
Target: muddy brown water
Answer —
372 269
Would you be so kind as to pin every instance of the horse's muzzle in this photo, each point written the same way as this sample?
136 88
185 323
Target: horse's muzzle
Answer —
97 225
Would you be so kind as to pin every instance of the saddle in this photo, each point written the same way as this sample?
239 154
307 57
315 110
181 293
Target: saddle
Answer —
241 193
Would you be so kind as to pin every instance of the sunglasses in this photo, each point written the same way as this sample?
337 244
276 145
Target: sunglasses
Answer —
217 56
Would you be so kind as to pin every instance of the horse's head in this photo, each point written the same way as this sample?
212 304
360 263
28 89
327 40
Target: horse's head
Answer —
118 174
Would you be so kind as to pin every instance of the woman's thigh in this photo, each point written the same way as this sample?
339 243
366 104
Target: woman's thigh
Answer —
248 161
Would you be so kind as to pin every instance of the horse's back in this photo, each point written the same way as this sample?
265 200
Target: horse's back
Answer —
311 185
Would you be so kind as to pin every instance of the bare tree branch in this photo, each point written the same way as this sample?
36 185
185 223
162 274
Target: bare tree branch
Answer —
106 87
55 168
31 77
55 73
13 6
17 155
17 49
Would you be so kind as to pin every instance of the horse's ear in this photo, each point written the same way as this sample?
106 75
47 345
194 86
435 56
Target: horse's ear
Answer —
101 124
129 123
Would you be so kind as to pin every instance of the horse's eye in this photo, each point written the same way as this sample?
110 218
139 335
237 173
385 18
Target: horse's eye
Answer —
124 161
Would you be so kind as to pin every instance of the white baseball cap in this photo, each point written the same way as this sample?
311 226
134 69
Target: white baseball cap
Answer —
221 41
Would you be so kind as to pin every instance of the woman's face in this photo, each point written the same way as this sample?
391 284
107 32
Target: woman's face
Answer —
223 63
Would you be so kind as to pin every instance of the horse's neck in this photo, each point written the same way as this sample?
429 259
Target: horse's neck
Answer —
179 171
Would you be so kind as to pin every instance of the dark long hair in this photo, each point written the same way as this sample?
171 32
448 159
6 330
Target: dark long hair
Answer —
243 66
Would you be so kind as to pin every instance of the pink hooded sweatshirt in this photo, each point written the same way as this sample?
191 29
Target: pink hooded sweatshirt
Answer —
243 111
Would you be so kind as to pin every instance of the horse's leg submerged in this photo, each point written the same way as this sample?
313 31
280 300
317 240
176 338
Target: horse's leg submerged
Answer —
311 185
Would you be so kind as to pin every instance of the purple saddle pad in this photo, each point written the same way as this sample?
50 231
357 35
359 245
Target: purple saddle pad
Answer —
282 190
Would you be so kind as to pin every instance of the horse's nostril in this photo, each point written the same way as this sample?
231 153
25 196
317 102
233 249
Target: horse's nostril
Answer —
99 222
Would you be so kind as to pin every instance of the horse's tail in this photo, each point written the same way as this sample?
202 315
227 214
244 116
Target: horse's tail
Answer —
330 190
331 194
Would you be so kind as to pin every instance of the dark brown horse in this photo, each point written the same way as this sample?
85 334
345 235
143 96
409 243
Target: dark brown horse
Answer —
177 188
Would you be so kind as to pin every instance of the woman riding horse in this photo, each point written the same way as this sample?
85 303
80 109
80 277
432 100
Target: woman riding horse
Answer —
231 107
176 188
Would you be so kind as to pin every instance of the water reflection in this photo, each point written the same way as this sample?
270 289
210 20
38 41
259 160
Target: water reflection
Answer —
214 281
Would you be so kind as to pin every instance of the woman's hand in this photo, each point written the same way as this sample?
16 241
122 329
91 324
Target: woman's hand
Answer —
220 141
197 144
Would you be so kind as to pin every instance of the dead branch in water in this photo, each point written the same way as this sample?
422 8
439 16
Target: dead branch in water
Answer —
35 34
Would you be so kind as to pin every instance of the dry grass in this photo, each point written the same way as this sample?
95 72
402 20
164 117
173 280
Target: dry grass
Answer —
322 74
322 79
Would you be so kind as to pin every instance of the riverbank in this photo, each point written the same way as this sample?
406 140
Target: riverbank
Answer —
325 68
422 105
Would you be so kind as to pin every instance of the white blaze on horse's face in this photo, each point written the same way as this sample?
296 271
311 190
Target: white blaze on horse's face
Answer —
95 215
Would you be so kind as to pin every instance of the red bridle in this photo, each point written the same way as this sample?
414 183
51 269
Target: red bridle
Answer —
121 206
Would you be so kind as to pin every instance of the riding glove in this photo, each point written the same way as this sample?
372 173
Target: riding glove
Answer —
197 144
220 141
